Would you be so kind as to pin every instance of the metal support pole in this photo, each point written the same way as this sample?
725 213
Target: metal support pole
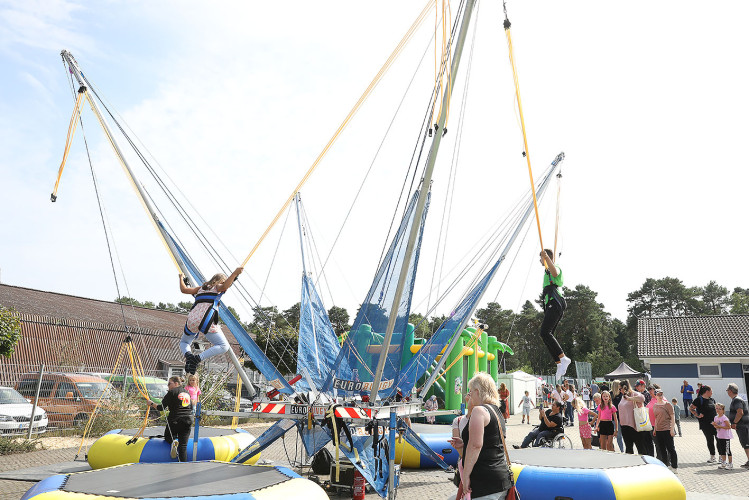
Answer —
421 203
391 458
36 398
196 433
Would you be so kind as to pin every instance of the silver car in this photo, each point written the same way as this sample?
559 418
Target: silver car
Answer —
15 414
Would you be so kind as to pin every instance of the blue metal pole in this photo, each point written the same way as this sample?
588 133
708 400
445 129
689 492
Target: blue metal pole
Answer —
196 433
391 464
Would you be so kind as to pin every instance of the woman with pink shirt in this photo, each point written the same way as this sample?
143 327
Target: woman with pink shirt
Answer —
607 422
663 425
627 417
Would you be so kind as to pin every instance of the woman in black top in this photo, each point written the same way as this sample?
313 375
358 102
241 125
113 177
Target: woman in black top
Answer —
179 421
485 473
704 409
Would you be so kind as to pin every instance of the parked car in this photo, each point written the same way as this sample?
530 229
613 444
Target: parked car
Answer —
15 414
155 386
68 398
227 402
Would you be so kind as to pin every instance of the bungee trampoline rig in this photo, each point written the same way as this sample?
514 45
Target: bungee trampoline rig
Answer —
356 393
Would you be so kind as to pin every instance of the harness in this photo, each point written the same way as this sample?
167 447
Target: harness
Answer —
552 291
211 315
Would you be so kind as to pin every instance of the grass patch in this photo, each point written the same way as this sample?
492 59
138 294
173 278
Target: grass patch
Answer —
11 445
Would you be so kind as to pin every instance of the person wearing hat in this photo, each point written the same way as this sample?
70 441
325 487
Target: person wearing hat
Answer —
640 387
686 395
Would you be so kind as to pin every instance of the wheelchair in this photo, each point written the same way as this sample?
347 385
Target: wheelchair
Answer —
559 440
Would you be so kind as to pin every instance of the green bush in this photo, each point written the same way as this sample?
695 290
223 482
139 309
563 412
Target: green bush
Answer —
10 331
119 412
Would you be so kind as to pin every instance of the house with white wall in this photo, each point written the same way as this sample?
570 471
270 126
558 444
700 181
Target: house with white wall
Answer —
713 350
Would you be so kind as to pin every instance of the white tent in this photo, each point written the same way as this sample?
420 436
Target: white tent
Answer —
518 382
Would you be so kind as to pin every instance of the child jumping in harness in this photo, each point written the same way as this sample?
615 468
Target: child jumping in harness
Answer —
203 318
554 306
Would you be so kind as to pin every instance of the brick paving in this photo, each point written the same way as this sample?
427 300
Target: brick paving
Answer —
702 481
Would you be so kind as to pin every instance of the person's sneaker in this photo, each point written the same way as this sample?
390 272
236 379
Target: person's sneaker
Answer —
722 465
564 363
746 465
173 453
712 460
516 446
728 466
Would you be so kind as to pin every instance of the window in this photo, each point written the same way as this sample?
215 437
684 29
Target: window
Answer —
709 371
27 388
63 388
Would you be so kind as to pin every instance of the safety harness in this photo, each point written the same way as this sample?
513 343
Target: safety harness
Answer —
552 291
336 424
211 315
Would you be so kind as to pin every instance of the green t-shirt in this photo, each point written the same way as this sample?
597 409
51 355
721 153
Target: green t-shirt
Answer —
549 280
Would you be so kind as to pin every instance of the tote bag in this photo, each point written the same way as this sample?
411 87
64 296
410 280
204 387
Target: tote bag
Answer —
642 419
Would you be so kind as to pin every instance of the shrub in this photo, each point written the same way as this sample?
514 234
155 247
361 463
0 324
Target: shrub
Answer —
11 445
10 331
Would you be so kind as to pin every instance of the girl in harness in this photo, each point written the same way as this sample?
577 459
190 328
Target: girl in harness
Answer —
554 306
203 318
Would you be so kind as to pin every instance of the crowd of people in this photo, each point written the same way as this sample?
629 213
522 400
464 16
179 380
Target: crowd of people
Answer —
642 418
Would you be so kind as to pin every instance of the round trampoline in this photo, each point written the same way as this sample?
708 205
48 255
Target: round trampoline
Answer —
116 447
543 473
194 480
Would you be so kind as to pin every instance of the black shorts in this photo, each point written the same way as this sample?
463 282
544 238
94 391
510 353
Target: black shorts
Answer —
606 428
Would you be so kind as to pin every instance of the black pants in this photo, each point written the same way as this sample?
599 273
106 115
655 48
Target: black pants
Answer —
553 312
629 434
645 443
665 443
179 427
710 436
724 447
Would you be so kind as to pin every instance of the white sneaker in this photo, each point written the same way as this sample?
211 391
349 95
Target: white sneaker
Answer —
728 466
173 453
722 465
562 367
712 460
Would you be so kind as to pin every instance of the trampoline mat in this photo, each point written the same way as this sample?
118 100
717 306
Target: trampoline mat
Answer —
158 431
574 459
174 480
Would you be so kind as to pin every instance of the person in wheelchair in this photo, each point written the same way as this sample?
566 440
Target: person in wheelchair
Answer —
551 425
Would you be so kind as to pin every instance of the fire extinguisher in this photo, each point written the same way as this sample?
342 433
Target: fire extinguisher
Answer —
360 486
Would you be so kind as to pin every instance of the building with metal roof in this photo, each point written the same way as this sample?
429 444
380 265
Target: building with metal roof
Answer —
69 333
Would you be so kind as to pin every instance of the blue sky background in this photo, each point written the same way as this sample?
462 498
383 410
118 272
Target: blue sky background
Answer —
236 99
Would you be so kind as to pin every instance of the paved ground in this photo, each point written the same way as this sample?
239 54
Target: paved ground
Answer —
702 481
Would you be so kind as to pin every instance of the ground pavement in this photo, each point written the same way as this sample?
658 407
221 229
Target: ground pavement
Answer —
702 481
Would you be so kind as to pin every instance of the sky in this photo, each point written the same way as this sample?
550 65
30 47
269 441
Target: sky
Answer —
235 100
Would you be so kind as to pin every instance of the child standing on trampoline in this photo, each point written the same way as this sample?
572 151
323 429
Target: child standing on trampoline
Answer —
554 306
203 318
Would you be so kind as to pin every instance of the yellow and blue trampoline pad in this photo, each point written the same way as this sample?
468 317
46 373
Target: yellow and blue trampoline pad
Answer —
592 475
117 448
193 480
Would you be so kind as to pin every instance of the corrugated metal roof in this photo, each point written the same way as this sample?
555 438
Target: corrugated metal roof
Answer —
693 336
83 334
